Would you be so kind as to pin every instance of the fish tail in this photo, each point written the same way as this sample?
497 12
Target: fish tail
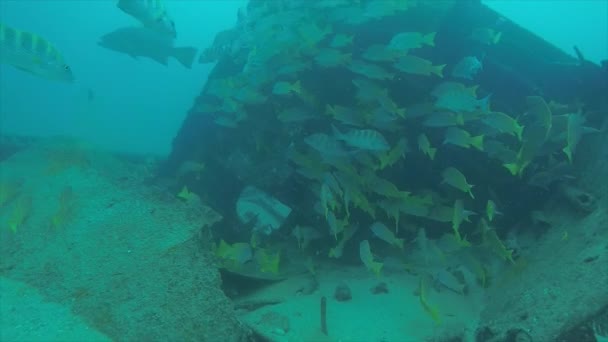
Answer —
376 267
336 132
471 192
296 87
399 243
477 142
438 70
185 56
568 151
496 37
432 152
429 39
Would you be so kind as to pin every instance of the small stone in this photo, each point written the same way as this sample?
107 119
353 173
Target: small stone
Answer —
342 293
380 288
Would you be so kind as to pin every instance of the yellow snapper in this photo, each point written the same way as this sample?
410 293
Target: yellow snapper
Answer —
425 146
411 40
503 123
418 66
365 253
151 13
32 53
368 70
328 58
443 119
286 88
365 139
459 98
462 138
341 40
456 179
382 232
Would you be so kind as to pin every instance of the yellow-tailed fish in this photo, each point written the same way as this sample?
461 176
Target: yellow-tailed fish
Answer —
460 137
456 179
286 88
491 211
392 156
20 213
369 70
405 41
418 66
425 146
383 233
365 253
31 53
428 308
503 123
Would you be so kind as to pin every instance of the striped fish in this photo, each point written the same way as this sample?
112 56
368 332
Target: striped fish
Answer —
151 13
32 53
364 139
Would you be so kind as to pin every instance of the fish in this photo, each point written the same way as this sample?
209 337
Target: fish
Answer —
286 88
425 146
304 235
503 123
295 114
341 40
365 253
336 226
418 66
369 70
456 179
462 138
486 36
467 68
328 58
392 156
405 41
449 281
383 233
379 53
367 91
151 14
428 308
31 53
326 145
349 231
460 215
238 253
267 261
443 119
574 131
457 97
364 139
491 211
143 42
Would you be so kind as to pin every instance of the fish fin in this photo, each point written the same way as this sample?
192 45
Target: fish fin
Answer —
336 132
477 142
429 39
296 87
185 55
438 70
432 152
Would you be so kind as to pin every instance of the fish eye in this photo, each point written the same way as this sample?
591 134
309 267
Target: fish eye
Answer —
66 68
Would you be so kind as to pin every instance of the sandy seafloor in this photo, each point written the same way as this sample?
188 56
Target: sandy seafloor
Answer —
50 287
